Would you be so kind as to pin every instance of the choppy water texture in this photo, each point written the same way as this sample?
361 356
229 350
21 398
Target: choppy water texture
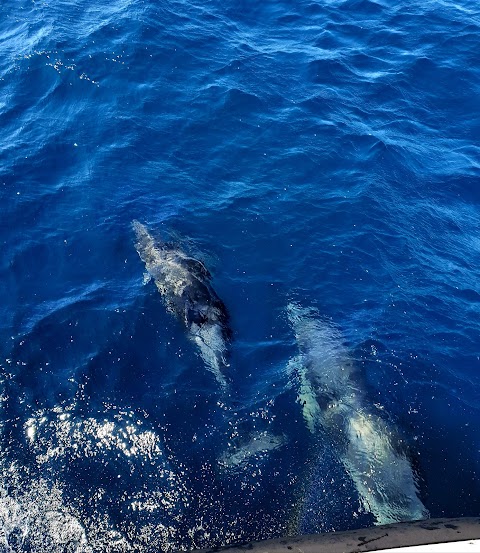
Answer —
321 155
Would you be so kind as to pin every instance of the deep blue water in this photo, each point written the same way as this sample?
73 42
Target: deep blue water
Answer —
325 153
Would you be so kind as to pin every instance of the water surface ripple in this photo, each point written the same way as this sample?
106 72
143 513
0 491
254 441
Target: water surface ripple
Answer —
323 155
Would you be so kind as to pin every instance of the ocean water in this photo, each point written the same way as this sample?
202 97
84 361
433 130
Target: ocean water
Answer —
320 154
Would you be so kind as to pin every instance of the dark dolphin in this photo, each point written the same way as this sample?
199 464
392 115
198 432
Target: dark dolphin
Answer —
185 285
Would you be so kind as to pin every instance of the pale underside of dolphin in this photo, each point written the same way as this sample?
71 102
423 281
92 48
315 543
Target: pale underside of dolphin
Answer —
333 401
184 284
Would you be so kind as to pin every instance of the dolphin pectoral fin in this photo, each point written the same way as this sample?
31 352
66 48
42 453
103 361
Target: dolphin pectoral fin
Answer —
306 396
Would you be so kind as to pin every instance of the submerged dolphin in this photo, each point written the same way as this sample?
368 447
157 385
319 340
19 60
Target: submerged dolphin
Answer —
184 283
332 399
255 446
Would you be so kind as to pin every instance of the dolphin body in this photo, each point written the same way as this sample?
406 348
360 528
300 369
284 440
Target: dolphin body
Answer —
333 401
254 447
184 283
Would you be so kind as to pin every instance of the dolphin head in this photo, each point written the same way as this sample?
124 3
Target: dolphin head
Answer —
145 244
141 232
